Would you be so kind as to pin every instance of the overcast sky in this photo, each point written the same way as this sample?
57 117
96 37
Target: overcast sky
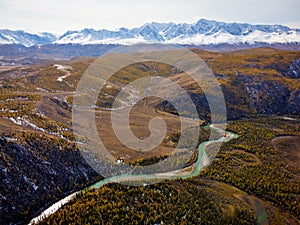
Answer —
60 16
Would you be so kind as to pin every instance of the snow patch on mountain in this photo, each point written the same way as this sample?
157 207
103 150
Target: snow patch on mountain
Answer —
225 37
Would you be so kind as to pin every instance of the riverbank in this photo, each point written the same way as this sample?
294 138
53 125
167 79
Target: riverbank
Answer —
201 162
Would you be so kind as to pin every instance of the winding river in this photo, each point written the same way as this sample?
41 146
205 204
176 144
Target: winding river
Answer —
198 165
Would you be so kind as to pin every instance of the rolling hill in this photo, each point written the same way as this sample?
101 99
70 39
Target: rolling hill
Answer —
254 179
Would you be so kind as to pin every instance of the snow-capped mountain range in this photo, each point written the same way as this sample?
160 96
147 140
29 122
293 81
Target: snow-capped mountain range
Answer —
203 32
24 38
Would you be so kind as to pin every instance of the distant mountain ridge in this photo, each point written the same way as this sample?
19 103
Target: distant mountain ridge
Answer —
25 38
203 32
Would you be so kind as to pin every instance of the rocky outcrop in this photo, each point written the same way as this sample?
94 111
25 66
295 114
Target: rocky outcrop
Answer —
37 172
248 95
294 102
293 70
270 97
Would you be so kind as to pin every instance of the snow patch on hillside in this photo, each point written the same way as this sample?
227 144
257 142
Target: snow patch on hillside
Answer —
65 69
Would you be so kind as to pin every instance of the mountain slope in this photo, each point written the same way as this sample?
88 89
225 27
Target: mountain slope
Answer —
40 163
203 32
24 38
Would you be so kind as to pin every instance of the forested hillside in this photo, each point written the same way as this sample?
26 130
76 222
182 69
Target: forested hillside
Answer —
41 163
